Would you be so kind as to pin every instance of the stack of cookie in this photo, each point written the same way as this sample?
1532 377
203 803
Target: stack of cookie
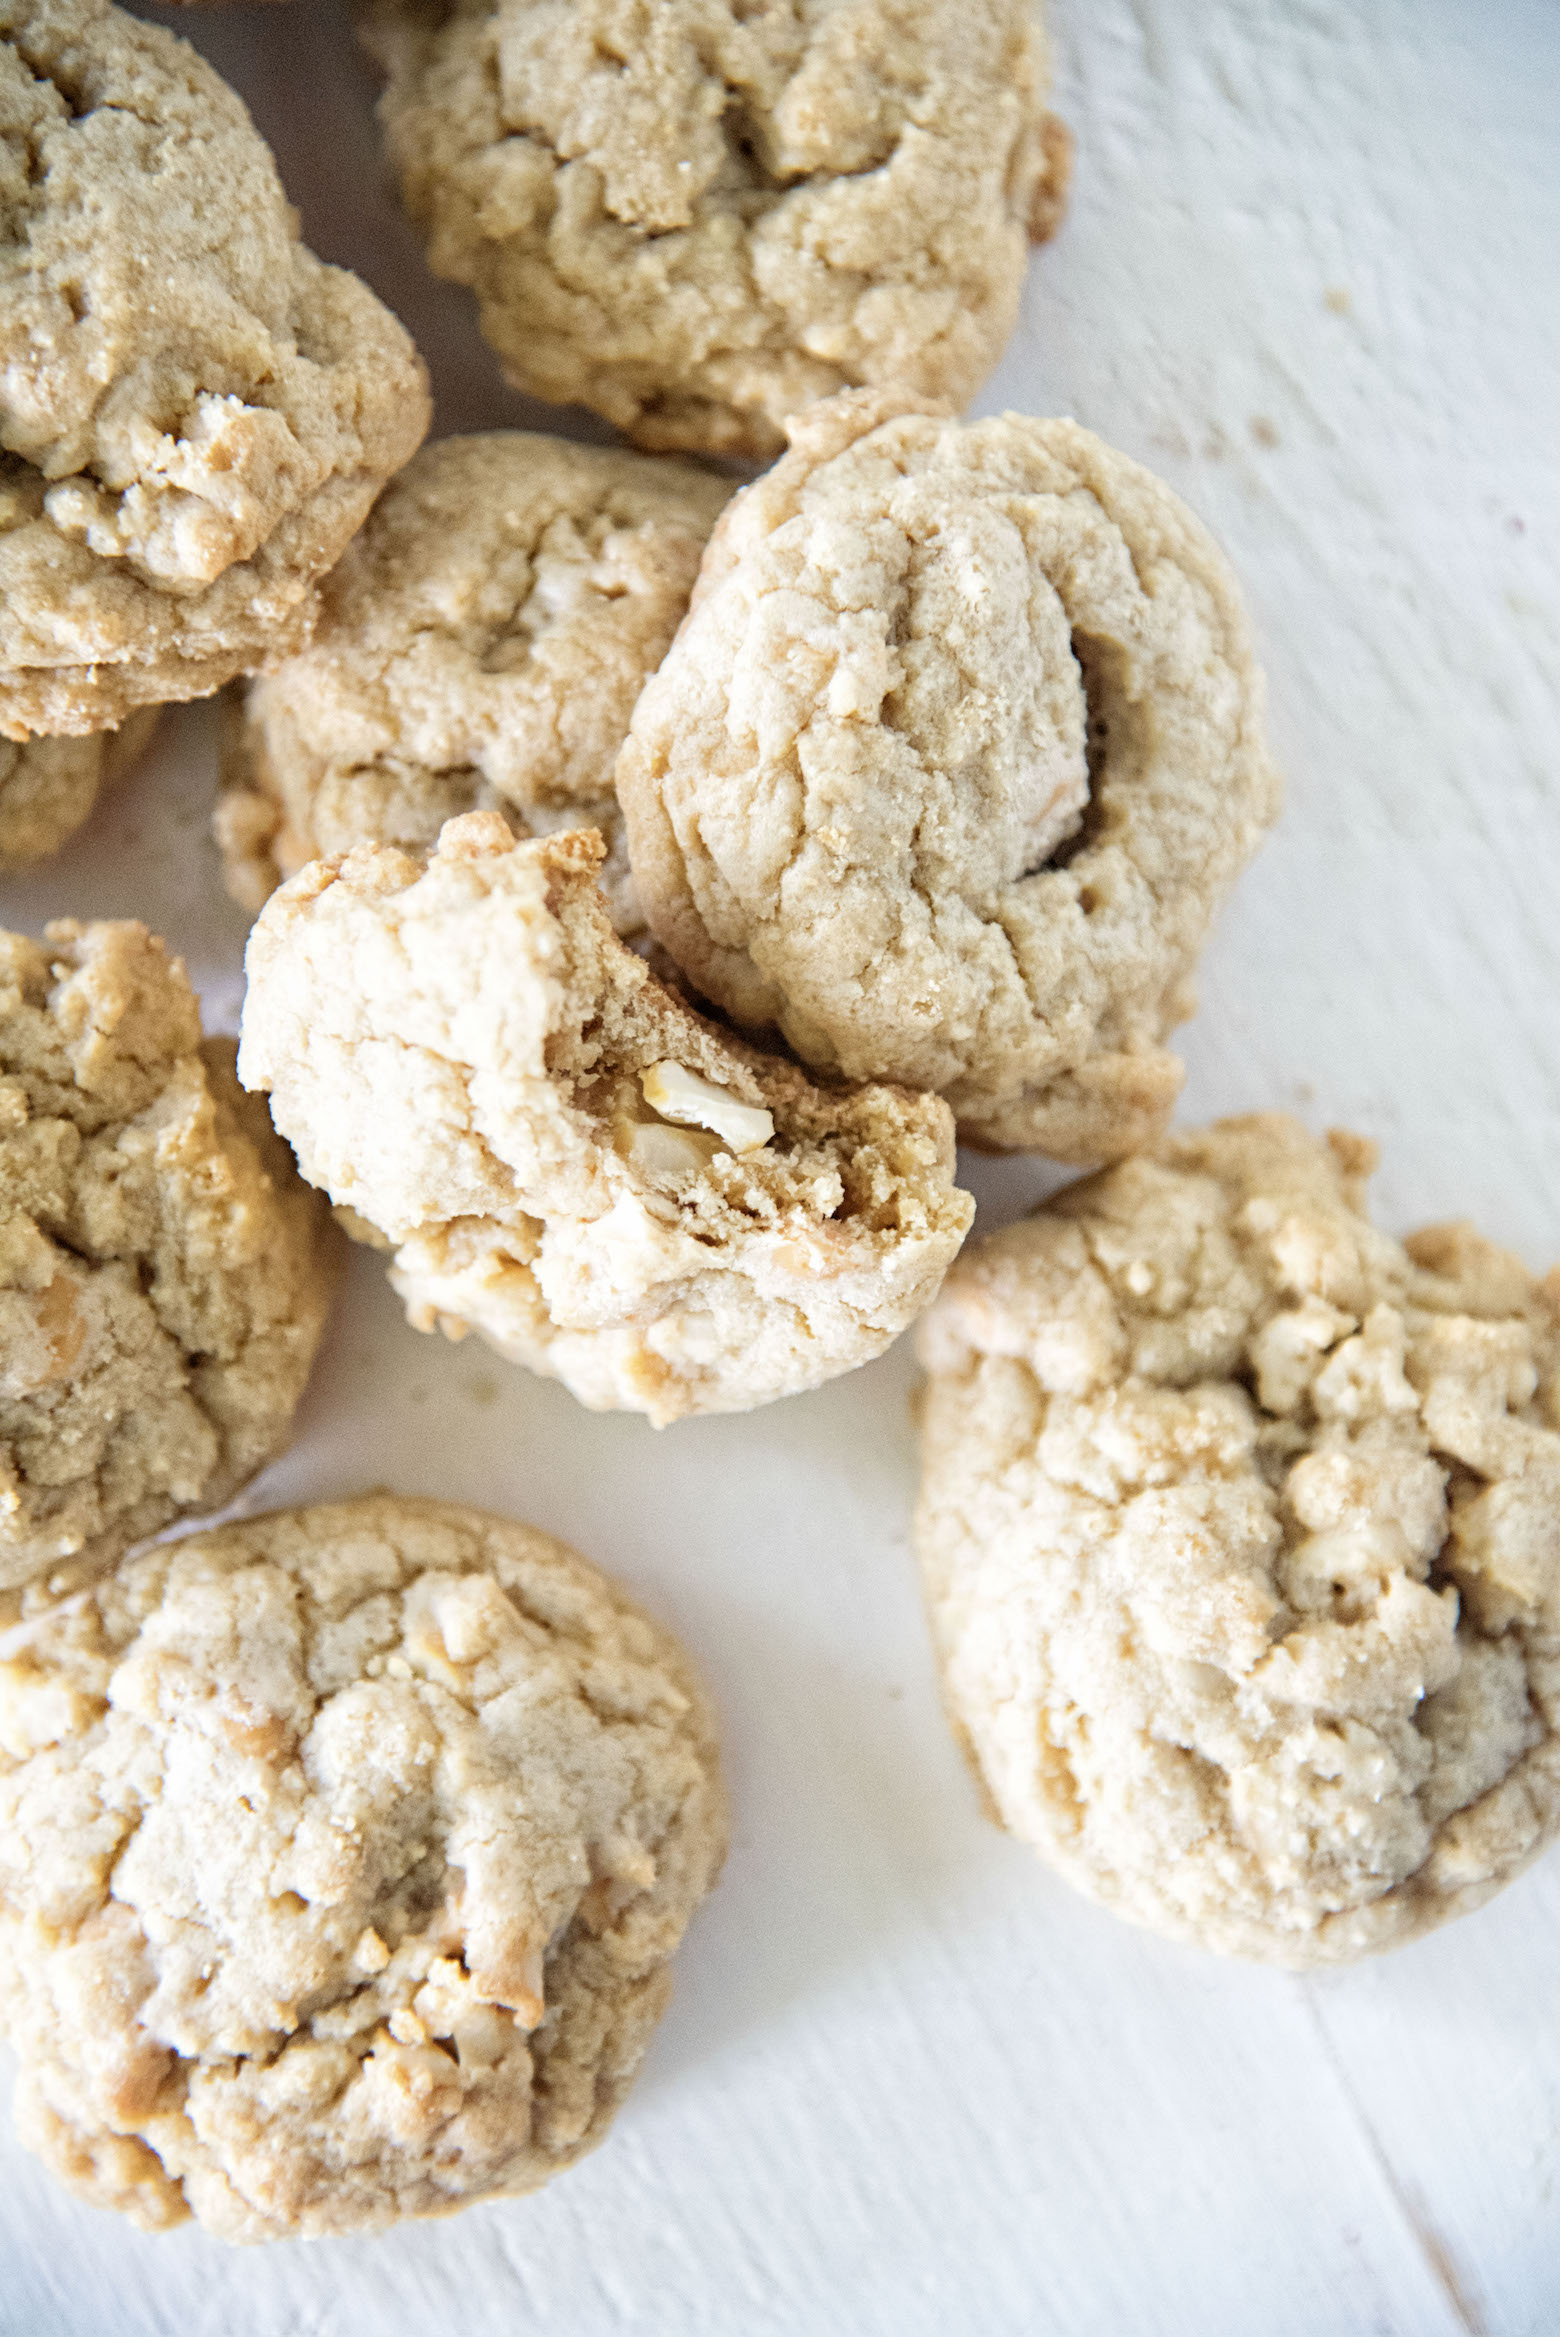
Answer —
654 877
197 412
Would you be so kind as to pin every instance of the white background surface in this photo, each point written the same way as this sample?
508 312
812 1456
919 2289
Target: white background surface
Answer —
910 2084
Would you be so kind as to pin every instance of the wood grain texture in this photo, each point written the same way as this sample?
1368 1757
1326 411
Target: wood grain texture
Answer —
911 2086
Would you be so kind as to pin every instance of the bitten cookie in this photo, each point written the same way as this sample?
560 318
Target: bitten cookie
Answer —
1240 1531
951 765
563 1156
698 215
342 1856
481 644
197 412
48 786
164 1275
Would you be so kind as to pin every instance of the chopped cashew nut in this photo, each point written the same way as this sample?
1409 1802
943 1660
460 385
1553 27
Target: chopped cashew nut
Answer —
683 1096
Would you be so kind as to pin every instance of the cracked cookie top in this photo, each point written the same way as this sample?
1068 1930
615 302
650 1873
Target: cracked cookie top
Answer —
1240 1533
195 412
949 768
698 216
480 644
562 1155
342 1855
164 1275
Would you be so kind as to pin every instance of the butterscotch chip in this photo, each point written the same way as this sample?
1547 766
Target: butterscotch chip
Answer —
481 644
164 1275
467 1057
198 412
342 1856
1240 1533
699 216
951 766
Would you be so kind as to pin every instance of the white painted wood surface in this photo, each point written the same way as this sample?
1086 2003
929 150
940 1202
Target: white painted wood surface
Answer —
911 2084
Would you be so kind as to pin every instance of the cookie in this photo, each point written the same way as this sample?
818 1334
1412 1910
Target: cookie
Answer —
563 1157
164 1275
698 216
198 413
1240 1533
342 1856
951 765
48 786
480 645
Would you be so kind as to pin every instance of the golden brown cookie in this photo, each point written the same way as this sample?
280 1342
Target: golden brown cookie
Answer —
1240 1532
698 215
481 644
198 412
164 1275
343 1853
951 766
48 786
563 1157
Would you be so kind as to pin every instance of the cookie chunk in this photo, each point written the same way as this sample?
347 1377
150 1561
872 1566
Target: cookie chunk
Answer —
697 216
951 765
48 786
197 412
481 644
164 1275
342 1856
1240 1530
566 1159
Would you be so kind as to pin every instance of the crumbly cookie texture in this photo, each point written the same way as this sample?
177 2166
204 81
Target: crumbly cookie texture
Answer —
951 765
1240 1531
481 644
197 413
342 1855
698 216
48 786
567 1159
164 1274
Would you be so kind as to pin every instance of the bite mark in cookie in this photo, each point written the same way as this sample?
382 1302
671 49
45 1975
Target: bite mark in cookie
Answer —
467 1057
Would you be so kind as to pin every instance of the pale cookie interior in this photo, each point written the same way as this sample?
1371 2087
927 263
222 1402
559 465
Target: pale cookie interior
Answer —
1240 1529
467 1057
164 1275
480 645
951 766
701 216
342 1856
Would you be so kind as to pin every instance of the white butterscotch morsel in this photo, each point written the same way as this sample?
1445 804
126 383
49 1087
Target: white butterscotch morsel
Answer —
343 1853
1240 1533
562 1155
951 765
